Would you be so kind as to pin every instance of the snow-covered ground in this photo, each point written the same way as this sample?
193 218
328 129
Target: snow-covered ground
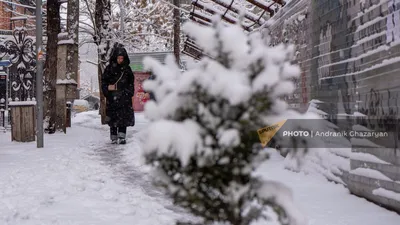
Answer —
325 202
78 178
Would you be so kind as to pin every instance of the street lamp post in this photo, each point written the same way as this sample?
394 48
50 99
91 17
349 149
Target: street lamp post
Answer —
39 75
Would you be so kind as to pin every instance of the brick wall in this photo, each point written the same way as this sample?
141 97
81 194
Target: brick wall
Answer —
342 53
5 17
349 53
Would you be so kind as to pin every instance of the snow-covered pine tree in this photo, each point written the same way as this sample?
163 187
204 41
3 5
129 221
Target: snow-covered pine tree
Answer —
202 139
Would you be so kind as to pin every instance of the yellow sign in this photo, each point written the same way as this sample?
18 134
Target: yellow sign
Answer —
267 133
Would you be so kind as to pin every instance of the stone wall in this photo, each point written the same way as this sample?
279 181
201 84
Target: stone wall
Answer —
377 181
349 53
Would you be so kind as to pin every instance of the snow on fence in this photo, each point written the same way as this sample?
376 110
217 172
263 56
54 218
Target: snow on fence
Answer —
21 53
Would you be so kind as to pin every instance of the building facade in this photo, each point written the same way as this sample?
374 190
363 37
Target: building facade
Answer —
17 13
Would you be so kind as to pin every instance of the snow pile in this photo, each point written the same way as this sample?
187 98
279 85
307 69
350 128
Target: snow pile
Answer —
366 172
203 125
366 158
313 108
387 194
90 119
329 162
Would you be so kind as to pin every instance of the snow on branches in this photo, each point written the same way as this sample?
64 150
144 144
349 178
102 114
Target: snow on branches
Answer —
147 25
202 139
141 26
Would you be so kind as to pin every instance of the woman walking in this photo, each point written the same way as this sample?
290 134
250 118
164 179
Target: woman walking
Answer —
118 88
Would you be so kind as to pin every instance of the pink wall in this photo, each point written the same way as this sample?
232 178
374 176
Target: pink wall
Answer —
139 98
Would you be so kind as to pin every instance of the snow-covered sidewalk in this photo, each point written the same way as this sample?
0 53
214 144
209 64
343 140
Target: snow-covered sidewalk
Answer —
80 179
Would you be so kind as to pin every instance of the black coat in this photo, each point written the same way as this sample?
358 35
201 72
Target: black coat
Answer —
119 110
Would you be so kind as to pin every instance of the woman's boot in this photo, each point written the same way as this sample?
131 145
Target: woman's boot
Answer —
113 135
122 135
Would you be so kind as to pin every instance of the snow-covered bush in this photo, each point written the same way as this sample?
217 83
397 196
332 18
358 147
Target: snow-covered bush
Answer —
203 138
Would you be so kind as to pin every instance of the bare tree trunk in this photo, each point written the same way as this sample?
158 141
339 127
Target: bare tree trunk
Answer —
177 30
50 72
103 41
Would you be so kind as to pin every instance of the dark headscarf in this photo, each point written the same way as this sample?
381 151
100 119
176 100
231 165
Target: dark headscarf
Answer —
120 51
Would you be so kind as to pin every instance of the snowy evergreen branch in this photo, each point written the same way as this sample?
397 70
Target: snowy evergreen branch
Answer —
203 141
